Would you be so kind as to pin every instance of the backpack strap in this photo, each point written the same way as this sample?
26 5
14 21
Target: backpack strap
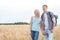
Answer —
50 15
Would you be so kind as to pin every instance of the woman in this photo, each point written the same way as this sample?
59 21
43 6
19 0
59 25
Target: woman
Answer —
35 23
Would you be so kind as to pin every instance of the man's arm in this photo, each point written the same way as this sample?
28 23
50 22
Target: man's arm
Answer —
41 27
53 19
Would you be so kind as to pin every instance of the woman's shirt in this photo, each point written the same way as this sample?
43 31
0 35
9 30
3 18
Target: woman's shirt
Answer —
35 24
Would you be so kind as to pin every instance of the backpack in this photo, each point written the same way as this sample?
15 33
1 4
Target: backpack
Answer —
55 18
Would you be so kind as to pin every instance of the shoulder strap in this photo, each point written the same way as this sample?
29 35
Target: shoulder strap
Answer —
50 15
32 18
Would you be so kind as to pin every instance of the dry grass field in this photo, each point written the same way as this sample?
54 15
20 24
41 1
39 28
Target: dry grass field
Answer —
22 32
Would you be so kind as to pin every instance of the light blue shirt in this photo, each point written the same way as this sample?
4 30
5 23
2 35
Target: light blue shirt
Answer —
35 24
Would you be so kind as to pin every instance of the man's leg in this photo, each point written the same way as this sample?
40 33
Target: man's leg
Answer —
50 35
46 36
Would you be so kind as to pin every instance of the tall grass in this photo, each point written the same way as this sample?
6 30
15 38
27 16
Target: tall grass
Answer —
22 32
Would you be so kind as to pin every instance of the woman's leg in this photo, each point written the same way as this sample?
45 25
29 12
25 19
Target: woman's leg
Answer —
36 35
32 35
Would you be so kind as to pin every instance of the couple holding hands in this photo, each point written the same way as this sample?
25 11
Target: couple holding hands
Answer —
46 24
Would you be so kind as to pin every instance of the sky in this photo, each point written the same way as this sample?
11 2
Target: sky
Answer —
12 11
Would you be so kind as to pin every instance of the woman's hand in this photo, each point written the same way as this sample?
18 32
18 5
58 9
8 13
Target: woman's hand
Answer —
43 32
52 30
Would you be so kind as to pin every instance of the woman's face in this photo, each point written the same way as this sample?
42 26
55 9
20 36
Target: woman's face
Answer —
36 12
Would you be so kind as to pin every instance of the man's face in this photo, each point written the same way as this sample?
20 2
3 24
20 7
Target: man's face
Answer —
44 8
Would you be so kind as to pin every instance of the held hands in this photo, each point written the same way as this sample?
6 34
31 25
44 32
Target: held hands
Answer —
43 32
52 30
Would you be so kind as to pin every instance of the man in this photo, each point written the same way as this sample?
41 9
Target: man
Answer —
47 23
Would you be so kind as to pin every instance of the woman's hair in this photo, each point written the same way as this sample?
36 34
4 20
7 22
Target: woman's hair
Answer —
36 10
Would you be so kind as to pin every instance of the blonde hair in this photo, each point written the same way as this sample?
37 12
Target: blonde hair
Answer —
36 10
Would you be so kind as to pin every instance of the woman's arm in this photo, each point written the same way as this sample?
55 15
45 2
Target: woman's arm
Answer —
31 23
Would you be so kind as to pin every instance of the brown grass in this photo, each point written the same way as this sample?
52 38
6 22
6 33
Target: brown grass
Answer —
22 32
